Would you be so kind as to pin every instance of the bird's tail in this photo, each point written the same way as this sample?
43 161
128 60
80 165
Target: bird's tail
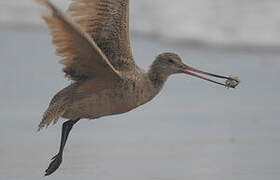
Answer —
56 109
52 114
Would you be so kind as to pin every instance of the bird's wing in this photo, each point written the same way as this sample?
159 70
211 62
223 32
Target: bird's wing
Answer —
82 58
107 22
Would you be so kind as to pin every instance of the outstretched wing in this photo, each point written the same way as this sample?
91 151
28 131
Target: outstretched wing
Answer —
107 22
83 59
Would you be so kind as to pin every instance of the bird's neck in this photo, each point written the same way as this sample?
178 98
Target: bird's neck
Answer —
157 77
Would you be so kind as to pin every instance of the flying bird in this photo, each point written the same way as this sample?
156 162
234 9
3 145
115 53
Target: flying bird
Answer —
94 43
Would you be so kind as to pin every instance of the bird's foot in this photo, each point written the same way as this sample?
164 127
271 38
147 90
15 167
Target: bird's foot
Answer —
54 165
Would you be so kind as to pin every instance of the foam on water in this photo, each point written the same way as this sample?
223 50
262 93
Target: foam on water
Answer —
220 22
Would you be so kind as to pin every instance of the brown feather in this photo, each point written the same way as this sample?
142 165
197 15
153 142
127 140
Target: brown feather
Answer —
107 22
82 58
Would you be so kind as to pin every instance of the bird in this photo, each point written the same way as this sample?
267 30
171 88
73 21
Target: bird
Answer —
93 40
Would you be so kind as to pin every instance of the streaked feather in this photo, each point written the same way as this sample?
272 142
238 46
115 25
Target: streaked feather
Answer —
107 22
82 58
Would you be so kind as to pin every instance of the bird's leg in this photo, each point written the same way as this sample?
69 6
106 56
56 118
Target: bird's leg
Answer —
56 160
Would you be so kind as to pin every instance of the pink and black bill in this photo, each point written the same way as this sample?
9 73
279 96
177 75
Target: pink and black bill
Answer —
192 71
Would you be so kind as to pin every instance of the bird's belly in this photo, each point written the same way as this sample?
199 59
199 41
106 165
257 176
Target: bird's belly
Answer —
107 102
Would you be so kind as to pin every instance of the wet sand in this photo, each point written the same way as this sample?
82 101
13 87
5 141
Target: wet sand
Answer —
191 130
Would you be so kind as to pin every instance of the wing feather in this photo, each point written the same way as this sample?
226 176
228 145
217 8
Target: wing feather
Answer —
82 58
107 22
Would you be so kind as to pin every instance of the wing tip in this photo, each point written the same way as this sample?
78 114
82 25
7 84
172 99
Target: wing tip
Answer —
48 4
44 2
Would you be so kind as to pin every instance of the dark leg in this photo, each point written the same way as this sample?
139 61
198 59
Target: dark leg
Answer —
56 160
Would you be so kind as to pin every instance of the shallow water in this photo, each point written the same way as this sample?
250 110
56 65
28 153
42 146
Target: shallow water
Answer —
192 130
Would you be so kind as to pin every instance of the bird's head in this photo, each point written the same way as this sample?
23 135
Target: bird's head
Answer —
167 64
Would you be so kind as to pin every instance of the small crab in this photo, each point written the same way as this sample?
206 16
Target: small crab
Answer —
232 82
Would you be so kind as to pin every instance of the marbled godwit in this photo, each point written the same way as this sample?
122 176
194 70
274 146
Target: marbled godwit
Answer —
95 46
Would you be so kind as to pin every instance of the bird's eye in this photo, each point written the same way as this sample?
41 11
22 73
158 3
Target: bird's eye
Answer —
170 61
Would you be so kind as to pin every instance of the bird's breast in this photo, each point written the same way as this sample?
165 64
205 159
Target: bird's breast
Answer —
137 92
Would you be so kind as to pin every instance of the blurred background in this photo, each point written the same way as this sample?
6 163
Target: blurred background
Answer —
192 130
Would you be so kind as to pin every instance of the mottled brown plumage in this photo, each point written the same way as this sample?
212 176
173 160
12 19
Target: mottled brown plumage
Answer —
107 22
95 46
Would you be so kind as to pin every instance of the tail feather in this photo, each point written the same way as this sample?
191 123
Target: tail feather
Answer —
56 108
52 114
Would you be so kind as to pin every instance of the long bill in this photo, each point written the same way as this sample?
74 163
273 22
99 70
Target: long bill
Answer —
190 70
